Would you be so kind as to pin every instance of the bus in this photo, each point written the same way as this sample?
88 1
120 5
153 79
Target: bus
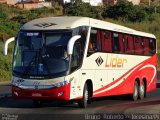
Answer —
80 58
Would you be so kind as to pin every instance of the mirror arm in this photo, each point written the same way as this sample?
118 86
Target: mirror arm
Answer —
71 43
5 47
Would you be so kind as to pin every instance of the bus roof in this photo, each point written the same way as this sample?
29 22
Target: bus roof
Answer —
68 22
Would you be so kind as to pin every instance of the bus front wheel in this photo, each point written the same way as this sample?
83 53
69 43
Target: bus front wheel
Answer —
83 102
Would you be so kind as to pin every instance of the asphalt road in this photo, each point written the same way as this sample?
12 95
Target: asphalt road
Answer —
103 106
118 107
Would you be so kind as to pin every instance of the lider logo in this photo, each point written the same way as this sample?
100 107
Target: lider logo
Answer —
99 61
115 62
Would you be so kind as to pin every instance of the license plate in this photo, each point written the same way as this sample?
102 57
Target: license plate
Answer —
36 94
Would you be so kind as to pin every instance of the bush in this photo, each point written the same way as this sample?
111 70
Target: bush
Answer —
4 36
126 11
6 64
83 9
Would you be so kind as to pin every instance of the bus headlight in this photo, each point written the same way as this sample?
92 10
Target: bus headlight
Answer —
59 84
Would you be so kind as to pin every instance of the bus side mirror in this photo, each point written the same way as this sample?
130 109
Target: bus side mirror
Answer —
71 43
5 47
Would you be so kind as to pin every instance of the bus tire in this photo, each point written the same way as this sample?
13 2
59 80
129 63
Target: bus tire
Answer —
135 91
84 101
142 91
37 103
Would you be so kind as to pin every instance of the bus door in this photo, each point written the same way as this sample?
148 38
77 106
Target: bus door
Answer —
99 39
75 65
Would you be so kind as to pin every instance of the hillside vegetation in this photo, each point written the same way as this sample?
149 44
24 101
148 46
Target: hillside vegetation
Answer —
141 18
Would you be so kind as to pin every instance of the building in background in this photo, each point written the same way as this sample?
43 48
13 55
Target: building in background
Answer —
100 2
28 4
135 2
113 2
93 2
32 4
11 2
3 1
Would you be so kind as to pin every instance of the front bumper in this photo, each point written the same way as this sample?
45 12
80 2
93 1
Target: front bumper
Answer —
58 93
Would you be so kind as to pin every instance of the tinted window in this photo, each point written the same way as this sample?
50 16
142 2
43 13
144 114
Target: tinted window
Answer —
146 46
94 44
152 46
138 45
112 42
78 49
116 47
121 43
129 45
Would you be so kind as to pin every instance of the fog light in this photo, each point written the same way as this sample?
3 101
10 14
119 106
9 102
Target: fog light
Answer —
60 94
16 93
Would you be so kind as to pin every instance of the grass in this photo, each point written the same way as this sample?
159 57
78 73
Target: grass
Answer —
6 64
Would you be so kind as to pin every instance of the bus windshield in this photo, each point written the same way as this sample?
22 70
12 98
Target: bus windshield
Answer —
41 53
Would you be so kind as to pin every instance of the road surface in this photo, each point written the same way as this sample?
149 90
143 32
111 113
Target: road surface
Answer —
103 106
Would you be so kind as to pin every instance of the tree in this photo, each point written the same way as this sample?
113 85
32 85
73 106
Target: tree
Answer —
126 11
121 10
83 9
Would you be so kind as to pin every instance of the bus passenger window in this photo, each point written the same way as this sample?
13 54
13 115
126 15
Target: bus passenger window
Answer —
146 46
99 40
106 41
93 43
152 46
138 45
129 46
90 46
121 43
116 43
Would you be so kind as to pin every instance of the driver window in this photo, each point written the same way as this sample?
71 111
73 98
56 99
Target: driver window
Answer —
78 49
